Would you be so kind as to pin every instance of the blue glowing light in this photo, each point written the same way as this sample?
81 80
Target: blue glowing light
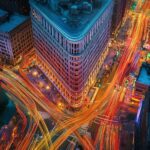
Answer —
139 112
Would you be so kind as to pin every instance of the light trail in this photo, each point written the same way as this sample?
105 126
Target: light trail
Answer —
132 48
105 104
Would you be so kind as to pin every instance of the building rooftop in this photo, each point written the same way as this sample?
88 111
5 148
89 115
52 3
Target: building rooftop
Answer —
144 75
3 13
72 30
11 23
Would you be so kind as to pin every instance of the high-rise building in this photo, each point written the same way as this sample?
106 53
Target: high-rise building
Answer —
118 13
70 37
15 36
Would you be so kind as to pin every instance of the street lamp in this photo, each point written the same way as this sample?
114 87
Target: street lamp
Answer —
41 84
60 105
34 73
47 87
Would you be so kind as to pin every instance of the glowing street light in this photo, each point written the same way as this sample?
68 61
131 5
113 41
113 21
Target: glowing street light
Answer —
41 84
47 87
60 105
34 73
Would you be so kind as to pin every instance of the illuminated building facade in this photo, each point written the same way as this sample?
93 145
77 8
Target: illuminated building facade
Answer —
70 39
15 36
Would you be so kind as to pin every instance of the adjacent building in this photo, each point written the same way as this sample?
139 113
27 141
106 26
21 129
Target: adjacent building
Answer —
15 36
17 6
143 81
118 13
142 130
142 122
70 40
